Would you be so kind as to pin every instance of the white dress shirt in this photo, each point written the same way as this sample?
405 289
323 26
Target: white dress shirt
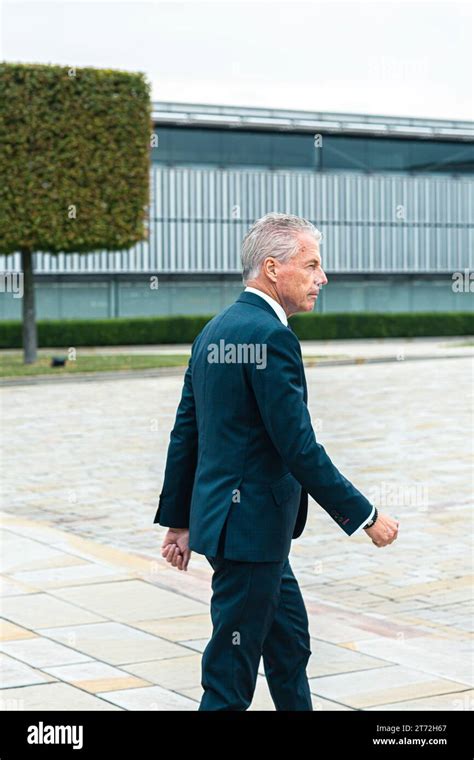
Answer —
274 304
282 315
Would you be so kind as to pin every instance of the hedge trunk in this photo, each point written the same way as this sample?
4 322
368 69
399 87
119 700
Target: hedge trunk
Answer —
30 337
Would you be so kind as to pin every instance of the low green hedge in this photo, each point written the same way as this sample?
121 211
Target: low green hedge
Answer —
382 325
183 329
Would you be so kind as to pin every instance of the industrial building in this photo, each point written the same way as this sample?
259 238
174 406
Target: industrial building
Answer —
392 196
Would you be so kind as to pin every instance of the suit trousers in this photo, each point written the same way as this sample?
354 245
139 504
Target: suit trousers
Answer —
257 610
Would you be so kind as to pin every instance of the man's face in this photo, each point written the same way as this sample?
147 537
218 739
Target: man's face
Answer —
299 280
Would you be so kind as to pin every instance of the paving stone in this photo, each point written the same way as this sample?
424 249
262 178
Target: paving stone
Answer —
81 562
381 686
96 676
175 673
459 700
115 643
149 698
422 654
12 632
41 651
179 628
74 575
40 610
52 696
14 673
108 599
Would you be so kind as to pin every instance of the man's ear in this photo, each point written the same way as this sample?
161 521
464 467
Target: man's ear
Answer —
270 268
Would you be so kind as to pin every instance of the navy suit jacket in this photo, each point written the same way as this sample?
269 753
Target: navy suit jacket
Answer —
243 449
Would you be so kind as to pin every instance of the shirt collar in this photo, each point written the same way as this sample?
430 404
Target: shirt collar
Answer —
280 312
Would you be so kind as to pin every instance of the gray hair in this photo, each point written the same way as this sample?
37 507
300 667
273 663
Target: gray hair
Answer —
273 235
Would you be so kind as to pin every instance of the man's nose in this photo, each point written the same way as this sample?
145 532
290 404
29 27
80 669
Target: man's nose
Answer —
322 279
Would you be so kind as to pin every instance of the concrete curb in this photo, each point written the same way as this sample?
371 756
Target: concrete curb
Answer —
85 377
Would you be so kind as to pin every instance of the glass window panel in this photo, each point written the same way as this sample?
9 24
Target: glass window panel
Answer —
279 150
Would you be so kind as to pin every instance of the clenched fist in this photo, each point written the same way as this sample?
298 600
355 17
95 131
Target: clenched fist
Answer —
175 547
384 531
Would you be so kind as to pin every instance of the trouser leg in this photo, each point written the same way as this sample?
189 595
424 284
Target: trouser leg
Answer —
243 605
286 649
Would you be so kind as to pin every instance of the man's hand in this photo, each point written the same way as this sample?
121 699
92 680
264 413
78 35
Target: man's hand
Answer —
383 531
175 547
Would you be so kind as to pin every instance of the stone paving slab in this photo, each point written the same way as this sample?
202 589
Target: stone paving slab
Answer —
108 599
40 652
52 696
89 654
444 702
16 673
424 654
149 698
38 610
179 629
368 688
95 677
115 643
93 618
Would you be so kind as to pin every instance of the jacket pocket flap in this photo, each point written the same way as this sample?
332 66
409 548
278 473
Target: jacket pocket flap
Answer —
284 488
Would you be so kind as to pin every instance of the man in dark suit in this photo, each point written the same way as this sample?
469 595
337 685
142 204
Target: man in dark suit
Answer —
241 462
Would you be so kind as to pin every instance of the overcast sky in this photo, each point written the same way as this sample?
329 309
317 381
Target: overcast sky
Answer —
392 58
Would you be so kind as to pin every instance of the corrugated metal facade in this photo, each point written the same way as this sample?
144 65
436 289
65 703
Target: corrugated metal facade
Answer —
377 223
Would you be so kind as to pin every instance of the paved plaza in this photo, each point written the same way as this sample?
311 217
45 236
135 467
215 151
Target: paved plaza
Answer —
95 619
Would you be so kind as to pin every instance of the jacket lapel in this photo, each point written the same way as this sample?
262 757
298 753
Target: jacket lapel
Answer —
254 300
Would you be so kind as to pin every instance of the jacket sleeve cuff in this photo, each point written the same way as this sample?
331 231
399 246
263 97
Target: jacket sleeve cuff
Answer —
367 519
